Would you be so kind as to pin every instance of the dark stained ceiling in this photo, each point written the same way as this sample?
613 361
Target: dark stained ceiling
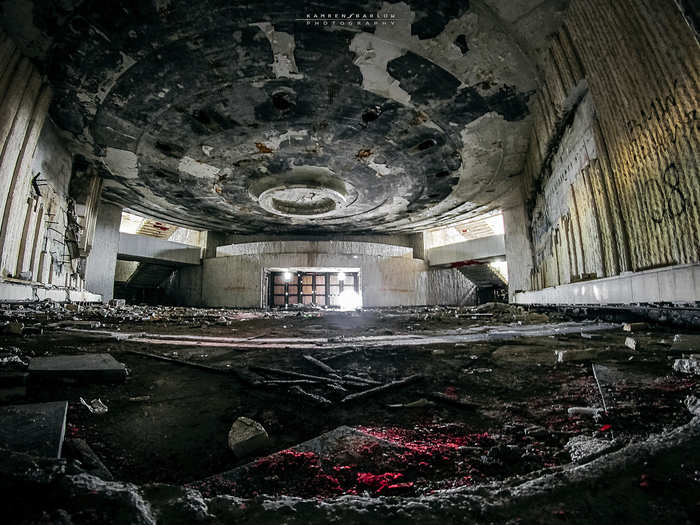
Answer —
245 117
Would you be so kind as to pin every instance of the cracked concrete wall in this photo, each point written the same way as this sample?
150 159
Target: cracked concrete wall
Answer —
611 176
385 281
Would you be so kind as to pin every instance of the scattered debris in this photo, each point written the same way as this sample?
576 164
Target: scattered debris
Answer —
687 366
12 328
478 370
96 406
631 343
247 437
382 388
693 404
12 357
597 413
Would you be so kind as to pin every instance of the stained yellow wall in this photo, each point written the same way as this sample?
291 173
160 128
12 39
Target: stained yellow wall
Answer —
631 190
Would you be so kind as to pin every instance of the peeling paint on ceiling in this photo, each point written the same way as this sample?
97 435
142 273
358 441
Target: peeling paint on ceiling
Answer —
186 105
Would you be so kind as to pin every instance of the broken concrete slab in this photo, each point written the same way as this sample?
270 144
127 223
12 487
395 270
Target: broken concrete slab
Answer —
247 437
687 366
35 428
92 368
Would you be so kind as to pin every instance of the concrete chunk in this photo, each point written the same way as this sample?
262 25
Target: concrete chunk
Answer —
247 437
36 428
687 366
93 368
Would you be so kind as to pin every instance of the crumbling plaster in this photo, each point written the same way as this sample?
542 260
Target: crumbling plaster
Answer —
182 117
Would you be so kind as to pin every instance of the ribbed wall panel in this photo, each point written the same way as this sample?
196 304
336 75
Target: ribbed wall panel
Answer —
637 204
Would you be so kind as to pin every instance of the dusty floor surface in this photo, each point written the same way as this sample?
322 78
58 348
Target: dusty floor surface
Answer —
482 411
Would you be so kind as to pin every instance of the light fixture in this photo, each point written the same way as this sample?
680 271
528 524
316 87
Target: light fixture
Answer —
341 276
349 300
287 276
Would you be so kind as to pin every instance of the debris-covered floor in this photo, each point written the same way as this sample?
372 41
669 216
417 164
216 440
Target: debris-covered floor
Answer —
360 410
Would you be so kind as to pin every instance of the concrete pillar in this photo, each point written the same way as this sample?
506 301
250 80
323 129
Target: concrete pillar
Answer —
518 249
102 261
212 241
418 241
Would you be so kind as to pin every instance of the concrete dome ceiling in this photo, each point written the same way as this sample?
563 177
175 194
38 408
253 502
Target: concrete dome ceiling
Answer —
241 118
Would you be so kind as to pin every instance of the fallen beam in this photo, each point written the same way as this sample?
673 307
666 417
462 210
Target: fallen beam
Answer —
289 373
382 388
320 364
456 401
244 375
313 398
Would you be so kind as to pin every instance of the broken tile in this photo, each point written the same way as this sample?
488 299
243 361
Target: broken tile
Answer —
91 368
36 428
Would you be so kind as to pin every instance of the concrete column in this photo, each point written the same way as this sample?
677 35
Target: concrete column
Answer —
418 241
518 249
213 240
102 261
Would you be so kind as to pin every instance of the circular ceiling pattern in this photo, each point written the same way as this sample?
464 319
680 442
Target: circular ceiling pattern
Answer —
241 118
304 192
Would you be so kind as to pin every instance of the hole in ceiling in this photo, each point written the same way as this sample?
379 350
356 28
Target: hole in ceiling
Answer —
426 144
371 114
281 101
461 43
